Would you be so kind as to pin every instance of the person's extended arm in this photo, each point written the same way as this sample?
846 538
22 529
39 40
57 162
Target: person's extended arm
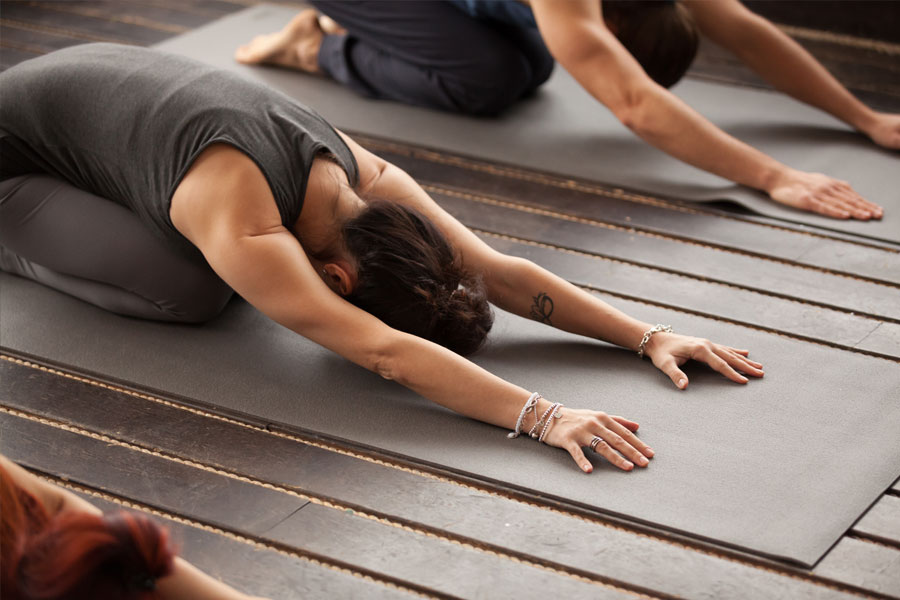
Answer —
523 288
789 67
235 223
53 498
578 38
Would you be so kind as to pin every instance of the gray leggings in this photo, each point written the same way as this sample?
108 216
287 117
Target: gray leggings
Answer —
100 252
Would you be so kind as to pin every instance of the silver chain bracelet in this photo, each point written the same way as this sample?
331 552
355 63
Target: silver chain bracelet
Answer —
658 328
530 405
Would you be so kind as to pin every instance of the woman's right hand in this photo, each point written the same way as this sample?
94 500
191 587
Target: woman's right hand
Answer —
818 193
576 428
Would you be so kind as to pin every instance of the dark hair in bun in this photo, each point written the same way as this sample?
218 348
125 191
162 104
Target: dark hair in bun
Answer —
410 278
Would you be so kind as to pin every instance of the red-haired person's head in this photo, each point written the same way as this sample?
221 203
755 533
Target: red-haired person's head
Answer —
76 555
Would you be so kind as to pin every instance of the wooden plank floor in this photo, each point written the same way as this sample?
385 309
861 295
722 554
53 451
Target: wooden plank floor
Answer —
286 513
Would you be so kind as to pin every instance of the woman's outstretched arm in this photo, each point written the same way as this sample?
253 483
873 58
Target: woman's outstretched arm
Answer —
789 67
231 216
576 35
523 288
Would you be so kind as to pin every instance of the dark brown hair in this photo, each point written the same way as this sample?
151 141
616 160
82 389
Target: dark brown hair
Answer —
409 277
660 34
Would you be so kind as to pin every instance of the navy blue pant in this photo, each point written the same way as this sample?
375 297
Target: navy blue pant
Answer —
432 54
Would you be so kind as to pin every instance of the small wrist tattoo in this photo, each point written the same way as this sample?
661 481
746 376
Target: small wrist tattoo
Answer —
542 308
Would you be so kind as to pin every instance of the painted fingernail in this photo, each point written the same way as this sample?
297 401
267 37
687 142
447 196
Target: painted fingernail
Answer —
587 468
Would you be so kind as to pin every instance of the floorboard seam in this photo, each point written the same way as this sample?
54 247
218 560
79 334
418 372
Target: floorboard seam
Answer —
760 564
868 335
594 189
705 315
875 540
62 32
297 5
311 557
356 510
191 10
30 48
101 15
841 39
779 333
631 229
291 514
879 319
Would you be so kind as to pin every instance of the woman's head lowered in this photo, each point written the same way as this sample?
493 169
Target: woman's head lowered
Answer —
661 35
407 274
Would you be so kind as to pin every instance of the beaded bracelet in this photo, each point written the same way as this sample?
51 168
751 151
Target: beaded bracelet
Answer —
554 414
658 328
536 428
530 404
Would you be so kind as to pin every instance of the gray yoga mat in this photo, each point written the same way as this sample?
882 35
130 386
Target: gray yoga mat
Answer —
781 467
564 130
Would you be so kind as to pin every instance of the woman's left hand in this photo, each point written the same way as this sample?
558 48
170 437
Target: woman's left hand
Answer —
885 130
668 351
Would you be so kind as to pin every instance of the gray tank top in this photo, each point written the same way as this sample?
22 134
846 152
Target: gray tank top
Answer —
126 124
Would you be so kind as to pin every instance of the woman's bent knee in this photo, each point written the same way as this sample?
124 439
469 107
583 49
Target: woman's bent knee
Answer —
198 303
494 85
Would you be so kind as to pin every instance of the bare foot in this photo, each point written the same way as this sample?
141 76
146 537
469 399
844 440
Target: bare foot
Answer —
296 46
330 26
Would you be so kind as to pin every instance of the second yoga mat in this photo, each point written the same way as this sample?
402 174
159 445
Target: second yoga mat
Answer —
781 467
563 130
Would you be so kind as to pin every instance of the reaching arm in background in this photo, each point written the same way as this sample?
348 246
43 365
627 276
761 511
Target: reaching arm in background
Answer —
577 36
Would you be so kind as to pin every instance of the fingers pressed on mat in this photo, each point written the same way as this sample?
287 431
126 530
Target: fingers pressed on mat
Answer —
578 456
641 449
719 365
609 453
629 424
739 363
830 209
670 368
624 448
860 204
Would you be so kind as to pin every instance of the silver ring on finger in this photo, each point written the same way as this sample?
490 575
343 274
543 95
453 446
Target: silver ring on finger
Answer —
595 441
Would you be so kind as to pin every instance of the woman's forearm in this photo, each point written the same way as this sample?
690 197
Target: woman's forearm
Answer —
663 120
528 290
791 69
450 380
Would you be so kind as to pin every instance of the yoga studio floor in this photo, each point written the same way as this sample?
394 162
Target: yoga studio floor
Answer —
289 473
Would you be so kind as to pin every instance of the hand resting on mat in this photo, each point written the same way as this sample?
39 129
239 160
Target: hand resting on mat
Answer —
818 193
595 58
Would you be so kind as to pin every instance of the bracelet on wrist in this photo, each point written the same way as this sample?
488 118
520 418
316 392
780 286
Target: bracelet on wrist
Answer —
658 328
530 406
554 414
542 425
